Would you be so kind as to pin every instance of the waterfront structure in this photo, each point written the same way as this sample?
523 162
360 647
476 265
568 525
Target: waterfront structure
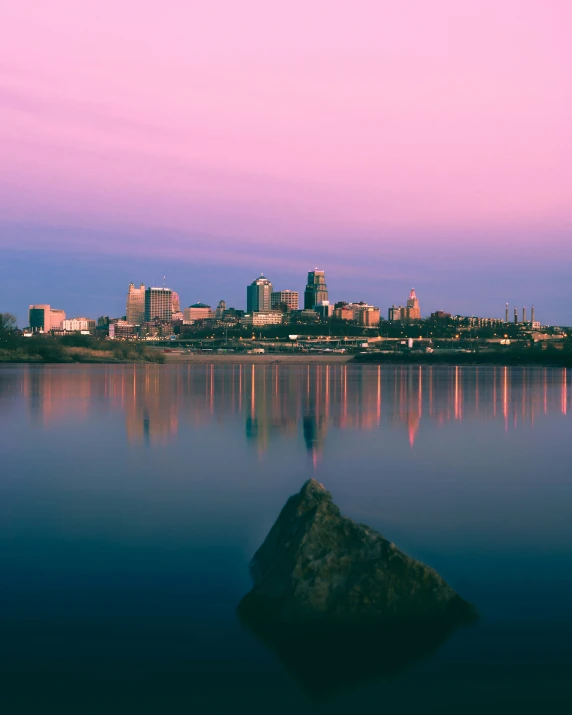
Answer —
135 308
259 296
262 318
77 325
43 318
197 311
289 298
158 304
316 289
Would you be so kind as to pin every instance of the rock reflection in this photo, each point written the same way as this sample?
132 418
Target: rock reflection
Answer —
327 657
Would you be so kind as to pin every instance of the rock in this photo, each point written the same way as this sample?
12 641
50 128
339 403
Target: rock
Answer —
316 565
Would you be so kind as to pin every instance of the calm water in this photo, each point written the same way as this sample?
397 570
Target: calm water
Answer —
132 499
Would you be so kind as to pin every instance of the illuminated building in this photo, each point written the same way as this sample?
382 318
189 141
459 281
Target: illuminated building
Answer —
75 325
135 308
43 318
197 311
259 296
316 289
289 298
158 304
410 312
262 318
412 307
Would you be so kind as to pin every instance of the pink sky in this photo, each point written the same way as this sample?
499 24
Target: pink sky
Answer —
292 121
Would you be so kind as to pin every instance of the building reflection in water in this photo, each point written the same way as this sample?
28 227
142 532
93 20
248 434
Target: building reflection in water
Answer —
287 402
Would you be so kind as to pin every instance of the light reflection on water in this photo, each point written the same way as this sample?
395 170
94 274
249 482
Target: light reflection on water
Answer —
272 399
134 496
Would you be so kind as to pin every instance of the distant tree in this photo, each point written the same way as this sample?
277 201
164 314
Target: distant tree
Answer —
7 322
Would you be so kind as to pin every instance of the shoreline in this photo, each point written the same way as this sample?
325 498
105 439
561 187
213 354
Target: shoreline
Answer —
297 359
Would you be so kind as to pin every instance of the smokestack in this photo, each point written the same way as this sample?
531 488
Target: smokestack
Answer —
524 314
515 315
532 314
506 313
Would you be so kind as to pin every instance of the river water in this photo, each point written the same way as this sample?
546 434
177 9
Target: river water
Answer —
133 498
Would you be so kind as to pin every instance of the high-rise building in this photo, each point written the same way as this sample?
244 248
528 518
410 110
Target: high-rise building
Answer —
176 303
365 314
158 304
259 296
135 309
413 309
197 311
396 313
39 317
289 298
43 318
221 307
316 289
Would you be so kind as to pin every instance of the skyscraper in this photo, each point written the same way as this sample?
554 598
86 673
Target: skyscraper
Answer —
258 295
158 304
175 302
316 289
135 310
289 298
413 309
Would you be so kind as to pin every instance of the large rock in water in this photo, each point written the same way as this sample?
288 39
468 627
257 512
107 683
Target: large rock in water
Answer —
316 565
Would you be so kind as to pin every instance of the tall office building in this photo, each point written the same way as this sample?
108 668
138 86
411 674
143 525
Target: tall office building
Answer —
259 296
289 298
316 289
220 309
43 318
39 317
135 310
158 304
413 309
176 302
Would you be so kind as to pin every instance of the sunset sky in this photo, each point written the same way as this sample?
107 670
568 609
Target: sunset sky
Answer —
394 144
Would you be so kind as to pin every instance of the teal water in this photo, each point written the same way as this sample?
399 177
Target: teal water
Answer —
132 499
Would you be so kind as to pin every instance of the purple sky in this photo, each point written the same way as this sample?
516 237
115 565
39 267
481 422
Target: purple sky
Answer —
391 143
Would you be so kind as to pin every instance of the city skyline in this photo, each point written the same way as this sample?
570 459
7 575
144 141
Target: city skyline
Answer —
147 306
385 144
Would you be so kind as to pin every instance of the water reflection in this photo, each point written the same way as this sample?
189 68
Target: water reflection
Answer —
328 658
278 401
